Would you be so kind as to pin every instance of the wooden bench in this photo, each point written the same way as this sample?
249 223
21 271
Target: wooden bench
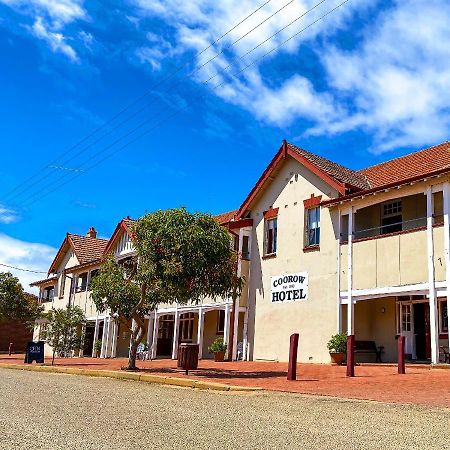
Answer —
369 347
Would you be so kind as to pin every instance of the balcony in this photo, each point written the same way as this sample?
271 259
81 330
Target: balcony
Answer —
390 249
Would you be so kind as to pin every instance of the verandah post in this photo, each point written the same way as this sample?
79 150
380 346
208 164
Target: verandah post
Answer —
351 355
401 354
292 366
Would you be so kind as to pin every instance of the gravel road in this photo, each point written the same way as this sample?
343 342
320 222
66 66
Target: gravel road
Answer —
56 411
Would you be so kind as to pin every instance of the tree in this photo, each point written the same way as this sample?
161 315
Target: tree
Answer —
180 257
15 303
64 331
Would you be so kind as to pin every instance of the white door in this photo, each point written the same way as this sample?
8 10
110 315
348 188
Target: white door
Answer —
407 328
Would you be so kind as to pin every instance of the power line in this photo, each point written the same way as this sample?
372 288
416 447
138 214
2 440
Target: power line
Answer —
136 101
178 110
193 72
21 269
147 121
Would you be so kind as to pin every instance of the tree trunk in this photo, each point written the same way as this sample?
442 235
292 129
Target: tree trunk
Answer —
53 359
136 337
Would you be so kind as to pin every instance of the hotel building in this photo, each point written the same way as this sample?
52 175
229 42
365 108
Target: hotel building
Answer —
323 249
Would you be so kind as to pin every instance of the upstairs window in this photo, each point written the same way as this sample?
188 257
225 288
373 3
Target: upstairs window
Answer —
82 282
312 229
47 294
245 247
270 246
392 217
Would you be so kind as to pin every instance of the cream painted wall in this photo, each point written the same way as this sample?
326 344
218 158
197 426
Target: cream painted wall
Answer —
270 325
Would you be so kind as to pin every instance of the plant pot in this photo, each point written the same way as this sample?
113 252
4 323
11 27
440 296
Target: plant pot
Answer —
219 356
337 358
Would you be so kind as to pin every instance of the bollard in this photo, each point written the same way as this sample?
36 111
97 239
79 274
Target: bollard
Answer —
292 367
351 355
401 354
10 348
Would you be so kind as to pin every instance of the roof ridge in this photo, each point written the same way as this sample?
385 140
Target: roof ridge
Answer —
415 152
87 237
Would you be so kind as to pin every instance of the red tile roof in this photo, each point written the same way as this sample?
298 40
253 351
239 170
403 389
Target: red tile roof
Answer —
339 173
226 217
415 164
87 249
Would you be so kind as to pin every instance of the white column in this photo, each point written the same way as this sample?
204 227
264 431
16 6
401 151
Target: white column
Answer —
109 338
226 327
338 281
114 340
133 327
97 321
175 335
350 305
245 336
431 285
201 321
446 196
150 330
235 331
104 338
155 336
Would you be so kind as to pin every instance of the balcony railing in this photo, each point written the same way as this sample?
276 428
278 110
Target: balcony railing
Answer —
391 228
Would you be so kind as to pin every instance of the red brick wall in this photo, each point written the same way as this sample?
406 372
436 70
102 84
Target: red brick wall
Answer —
15 332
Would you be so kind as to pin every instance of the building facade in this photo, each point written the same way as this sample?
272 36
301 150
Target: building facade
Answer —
323 249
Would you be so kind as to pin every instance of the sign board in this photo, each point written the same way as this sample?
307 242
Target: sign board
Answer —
35 352
292 287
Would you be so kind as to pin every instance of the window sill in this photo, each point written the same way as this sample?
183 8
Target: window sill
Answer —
270 256
311 248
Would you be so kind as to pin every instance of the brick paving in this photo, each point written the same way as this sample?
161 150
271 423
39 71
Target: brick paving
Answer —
421 385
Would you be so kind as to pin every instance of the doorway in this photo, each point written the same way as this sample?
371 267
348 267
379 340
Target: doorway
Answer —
165 335
422 331
89 340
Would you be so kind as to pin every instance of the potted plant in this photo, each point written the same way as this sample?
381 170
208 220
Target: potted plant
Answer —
97 348
218 347
337 346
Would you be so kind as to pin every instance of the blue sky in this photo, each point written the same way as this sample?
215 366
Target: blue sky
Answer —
369 82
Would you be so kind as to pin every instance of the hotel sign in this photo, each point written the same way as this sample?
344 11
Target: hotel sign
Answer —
289 288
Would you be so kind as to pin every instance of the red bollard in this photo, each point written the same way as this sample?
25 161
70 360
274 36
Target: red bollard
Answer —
10 348
351 355
292 367
401 354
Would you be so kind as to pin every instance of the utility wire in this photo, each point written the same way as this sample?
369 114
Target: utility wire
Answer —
134 102
23 270
147 121
178 110
190 74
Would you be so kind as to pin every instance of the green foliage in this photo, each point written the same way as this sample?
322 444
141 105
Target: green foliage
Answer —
98 346
217 346
64 330
338 343
15 303
180 257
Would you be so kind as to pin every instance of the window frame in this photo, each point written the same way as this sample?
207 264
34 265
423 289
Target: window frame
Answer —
274 239
307 243
442 304
220 323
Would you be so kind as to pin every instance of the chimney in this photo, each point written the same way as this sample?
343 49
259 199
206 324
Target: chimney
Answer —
92 233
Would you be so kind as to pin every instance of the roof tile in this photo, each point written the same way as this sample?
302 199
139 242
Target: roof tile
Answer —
87 249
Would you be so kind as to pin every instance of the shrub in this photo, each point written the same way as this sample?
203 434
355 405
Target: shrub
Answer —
217 346
338 343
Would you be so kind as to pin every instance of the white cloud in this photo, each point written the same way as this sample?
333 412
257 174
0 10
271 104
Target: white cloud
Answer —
197 23
8 215
60 12
55 40
25 255
398 80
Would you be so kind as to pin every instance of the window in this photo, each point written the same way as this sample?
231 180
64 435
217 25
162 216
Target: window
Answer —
62 284
186 326
82 282
245 247
220 321
391 220
47 294
443 317
93 274
312 229
270 246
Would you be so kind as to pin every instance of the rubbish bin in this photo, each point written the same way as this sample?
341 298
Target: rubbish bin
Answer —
187 357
